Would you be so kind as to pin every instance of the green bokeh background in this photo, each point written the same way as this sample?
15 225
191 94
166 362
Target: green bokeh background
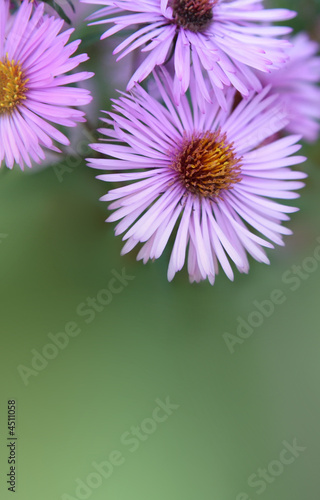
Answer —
154 340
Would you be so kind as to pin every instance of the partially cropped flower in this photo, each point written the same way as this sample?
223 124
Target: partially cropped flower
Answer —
297 84
221 38
34 85
203 178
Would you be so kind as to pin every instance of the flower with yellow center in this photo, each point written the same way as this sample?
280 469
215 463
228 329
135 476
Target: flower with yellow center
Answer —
204 179
36 95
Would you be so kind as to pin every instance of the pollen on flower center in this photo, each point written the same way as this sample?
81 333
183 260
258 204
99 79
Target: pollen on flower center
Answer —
206 163
193 15
12 85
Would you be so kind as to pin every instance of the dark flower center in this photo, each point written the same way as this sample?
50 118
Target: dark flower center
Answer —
12 86
193 15
206 163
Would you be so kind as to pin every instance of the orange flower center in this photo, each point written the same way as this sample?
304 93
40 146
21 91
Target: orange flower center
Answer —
206 163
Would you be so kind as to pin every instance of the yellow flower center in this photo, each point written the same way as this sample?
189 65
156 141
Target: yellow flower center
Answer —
206 163
12 85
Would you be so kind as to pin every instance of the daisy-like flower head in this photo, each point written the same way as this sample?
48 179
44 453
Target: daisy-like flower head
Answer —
297 84
204 178
34 60
224 39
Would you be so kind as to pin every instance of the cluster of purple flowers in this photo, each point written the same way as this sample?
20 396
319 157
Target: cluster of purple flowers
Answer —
203 140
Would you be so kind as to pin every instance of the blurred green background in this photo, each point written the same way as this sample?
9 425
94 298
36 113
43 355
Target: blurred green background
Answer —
155 340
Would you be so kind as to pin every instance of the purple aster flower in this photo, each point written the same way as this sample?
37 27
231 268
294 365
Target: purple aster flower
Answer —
221 38
297 84
203 178
34 87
